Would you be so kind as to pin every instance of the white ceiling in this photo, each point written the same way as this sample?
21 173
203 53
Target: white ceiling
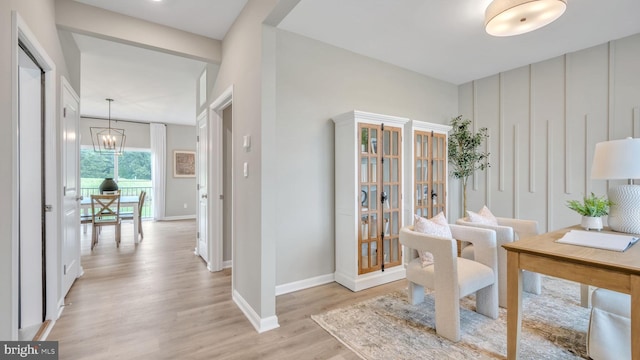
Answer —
444 39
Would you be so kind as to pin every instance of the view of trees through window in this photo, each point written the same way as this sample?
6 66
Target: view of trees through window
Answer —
131 170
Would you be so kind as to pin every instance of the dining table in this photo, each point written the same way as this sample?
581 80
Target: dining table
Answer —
125 201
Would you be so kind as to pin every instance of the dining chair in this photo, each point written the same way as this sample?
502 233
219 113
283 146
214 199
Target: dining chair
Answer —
105 211
129 216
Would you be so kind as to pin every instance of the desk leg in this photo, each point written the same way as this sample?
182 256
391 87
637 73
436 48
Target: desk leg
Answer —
635 317
514 304
135 224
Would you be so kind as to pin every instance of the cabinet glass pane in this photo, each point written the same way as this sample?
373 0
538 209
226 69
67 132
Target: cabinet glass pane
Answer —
364 227
418 145
395 196
373 199
386 248
364 169
385 171
364 140
373 226
395 224
395 143
364 256
425 170
425 146
386 203
418 173
374 169
395 171
387 143
364 197
395 250
374 141
386 224
374 254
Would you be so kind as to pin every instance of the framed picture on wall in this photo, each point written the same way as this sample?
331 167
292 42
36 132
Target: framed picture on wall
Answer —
184 164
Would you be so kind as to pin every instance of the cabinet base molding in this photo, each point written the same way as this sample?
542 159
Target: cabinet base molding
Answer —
371 279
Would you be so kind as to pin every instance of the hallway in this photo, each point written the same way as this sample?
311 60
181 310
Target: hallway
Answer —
156 300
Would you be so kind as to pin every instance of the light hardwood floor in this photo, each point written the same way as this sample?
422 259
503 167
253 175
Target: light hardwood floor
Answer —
157 300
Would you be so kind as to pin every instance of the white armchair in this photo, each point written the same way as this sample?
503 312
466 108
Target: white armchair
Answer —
453 277
609 334
508 230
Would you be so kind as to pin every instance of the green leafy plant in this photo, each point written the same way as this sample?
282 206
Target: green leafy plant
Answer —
464 152
592 206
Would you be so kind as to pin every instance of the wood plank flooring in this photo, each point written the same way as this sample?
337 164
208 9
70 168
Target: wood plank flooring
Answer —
156 300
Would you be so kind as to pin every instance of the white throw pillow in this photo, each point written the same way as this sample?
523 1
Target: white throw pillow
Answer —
484 216
436 226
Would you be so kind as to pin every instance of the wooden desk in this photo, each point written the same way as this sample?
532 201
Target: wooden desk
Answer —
618 271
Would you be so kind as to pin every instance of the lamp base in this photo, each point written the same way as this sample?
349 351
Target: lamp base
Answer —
624 214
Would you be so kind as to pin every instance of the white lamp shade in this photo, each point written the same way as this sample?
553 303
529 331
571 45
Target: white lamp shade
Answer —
616 159
514 17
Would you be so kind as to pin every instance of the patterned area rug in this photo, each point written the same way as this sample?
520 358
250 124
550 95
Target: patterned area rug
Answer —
554 326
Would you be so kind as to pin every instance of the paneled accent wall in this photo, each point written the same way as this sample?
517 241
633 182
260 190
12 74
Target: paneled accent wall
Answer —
544 120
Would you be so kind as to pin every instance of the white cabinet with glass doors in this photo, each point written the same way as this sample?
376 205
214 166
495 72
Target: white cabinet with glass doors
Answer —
369 199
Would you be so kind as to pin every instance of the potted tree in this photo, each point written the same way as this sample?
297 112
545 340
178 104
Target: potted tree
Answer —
592 208
464 152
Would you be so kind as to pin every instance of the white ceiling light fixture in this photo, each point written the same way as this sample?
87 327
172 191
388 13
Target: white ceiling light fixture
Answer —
515 17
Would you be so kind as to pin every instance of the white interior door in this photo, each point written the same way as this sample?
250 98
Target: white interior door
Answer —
71 268
31 196
203 201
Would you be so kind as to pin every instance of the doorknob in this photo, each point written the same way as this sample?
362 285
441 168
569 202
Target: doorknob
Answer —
204 196
79 198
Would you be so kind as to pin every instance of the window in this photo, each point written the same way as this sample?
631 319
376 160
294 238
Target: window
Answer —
131 170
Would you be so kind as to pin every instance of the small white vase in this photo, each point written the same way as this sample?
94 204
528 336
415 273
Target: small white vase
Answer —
591 223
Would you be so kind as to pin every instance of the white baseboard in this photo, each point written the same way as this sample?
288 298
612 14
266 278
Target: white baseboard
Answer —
174 218
304 284
227 264
261 325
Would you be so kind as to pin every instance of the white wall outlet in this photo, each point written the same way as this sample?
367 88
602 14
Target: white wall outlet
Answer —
246 169
185 205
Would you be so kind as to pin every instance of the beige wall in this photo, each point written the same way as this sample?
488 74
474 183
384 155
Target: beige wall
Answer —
180 194
315 82
544 121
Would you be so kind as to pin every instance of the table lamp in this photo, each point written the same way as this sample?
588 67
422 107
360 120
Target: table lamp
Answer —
615 160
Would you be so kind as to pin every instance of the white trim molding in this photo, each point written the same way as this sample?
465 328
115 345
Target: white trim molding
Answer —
261 325
304 284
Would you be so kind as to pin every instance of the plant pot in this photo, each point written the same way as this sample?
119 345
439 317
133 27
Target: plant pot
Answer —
591 223
108 185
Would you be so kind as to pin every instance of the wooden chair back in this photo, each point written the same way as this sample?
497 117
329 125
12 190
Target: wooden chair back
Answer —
105 209
143 194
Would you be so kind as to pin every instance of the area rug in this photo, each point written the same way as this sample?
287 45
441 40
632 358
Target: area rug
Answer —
554 326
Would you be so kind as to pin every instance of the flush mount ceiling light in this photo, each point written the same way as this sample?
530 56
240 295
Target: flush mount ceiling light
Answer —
515 17
108 140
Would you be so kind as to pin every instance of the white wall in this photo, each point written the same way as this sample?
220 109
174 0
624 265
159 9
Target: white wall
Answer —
180 191
315 82
39 17
544 121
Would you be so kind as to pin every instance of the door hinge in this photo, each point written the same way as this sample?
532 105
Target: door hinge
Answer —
48 208
64 191
197 186
64 270
64 112
198 235
197 138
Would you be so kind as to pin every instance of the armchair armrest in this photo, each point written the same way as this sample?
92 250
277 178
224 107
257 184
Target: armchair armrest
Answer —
522 228
484 243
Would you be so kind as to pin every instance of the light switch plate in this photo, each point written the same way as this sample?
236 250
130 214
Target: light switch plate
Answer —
246 142
246 169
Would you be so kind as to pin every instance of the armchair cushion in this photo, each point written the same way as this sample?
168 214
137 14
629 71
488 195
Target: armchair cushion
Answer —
484 216
436 226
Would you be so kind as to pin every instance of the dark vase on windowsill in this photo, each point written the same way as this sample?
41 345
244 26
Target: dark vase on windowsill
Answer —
108 185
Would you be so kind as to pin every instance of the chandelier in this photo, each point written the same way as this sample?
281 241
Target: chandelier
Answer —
108 140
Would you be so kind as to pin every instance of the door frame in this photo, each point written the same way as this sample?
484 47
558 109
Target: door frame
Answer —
203 116
216 171
22 33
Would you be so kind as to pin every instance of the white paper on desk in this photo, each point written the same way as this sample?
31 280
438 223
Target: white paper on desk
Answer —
598 240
